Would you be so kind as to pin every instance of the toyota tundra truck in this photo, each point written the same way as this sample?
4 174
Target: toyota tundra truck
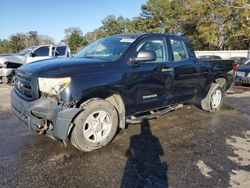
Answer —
113 81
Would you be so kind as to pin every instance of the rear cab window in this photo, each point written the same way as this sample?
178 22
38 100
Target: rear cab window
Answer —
60 51
179 50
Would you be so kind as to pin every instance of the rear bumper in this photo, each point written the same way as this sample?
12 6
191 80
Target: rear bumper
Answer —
33 114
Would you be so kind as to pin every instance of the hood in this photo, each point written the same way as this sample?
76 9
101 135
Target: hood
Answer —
63 67
14 58
2 55
245 68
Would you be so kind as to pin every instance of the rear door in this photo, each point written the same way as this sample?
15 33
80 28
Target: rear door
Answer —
149 84
186 69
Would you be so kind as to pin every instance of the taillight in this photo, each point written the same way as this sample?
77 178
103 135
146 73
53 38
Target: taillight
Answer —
235 66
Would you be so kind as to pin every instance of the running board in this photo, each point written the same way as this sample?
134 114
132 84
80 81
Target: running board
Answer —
152 115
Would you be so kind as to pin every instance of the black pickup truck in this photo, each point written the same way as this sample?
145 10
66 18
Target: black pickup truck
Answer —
113 81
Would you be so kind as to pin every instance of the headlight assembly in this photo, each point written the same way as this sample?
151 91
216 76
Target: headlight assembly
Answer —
53 86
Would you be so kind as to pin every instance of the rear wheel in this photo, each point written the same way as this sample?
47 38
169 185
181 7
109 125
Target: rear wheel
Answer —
95 126
213 100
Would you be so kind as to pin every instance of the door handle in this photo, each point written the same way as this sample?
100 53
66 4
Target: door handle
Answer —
167 70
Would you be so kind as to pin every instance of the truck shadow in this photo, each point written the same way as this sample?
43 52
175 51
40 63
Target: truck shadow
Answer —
144 167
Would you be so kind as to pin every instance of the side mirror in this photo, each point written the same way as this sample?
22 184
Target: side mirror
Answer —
32 54
144 56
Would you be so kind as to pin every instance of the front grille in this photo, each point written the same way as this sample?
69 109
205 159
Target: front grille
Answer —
23 85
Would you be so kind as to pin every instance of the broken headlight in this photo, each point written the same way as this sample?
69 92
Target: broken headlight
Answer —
2 63
53 86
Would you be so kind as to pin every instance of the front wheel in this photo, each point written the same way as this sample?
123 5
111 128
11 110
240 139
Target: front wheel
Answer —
95 126
212 102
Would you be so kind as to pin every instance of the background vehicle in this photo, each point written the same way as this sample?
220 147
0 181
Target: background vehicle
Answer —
239 60
242 75
10 62
118 79
247 62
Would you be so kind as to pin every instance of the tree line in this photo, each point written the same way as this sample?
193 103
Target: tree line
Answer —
19 41
208 24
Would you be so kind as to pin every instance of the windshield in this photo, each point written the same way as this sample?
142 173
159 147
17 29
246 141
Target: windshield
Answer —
25 51
110 48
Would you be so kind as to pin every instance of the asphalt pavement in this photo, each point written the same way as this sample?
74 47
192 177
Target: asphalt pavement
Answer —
184 148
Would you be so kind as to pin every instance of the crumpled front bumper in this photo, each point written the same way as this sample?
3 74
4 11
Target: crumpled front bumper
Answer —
32 114
6 71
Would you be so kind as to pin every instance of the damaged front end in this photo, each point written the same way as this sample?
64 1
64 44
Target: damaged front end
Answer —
44 116
39 112
7 71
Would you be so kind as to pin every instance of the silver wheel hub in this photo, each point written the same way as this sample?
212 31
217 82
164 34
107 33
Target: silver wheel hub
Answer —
216 99
97 126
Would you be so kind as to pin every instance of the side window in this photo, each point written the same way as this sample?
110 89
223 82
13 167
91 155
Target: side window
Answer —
61 50
179 50
42 51
156 45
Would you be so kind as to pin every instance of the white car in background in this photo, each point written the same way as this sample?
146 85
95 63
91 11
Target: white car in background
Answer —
10 62
247 62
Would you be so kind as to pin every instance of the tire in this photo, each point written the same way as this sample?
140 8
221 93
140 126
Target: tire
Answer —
95 126
12 80
5 80
212 102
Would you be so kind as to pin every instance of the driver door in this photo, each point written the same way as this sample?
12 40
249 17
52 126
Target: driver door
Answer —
41 53
150 83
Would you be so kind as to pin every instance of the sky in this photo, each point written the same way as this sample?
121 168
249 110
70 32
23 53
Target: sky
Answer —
51 17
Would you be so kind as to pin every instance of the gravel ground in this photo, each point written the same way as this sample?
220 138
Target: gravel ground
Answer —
184 148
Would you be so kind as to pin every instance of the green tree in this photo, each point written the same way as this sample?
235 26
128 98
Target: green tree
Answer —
32 38
44 39
4 46
17 42
73 38
210 24
112 25
224 24
92 36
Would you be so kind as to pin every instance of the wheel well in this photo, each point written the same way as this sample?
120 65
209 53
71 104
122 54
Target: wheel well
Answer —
113 98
